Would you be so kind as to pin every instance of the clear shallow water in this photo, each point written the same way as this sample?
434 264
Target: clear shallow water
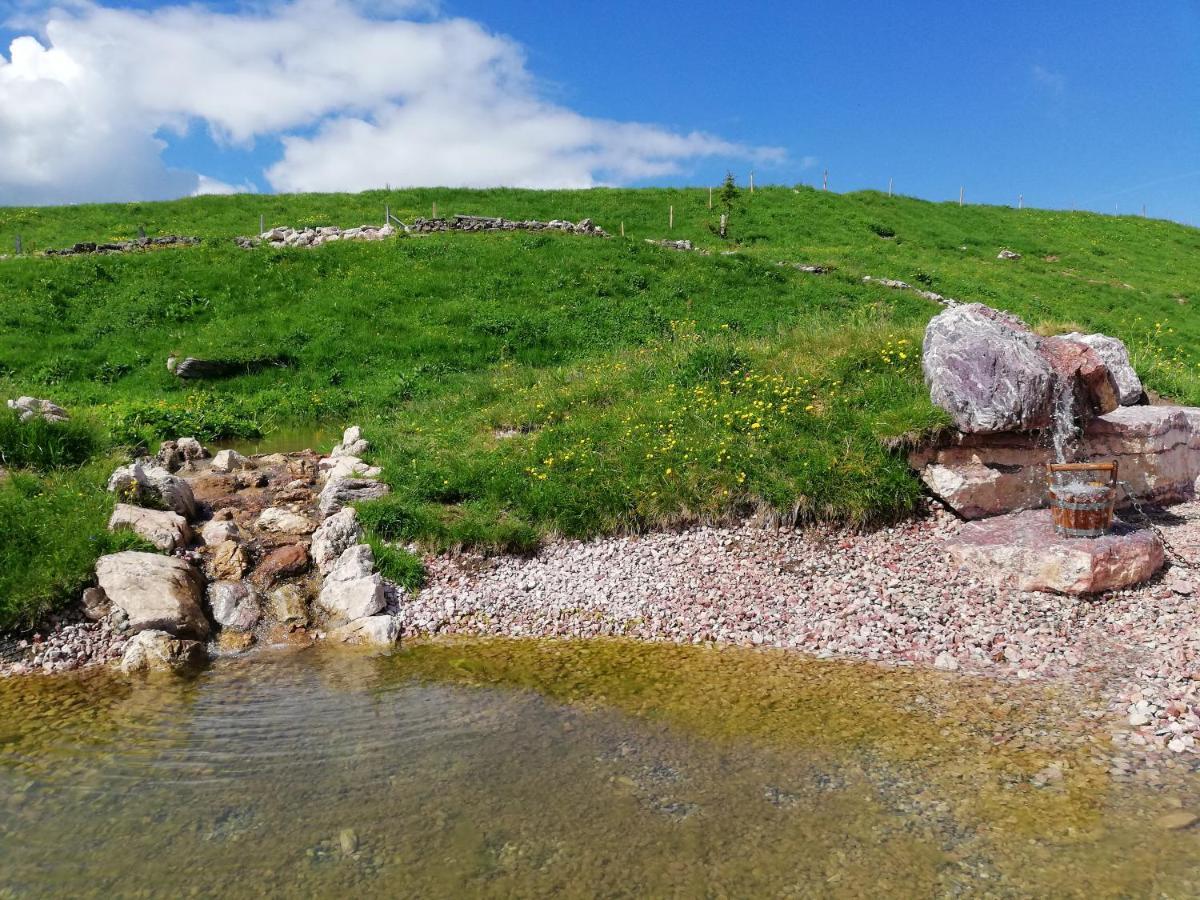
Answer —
289 439
504 768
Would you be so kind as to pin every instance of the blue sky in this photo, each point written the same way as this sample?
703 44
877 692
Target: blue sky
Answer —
1070 104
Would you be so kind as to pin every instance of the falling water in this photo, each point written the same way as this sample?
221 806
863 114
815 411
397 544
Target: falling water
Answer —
1063 431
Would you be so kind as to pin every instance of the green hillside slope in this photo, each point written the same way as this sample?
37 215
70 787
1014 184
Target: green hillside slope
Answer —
517 385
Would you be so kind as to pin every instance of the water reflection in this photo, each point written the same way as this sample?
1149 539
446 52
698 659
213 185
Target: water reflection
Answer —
506 768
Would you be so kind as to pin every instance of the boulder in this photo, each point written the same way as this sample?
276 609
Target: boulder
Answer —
283 521
234 605
1153 446
227 461
337 534
1081 367
150 485
158 651
162 593
28 408
173 455
347 467
983 367
1116 359
164 529
373 631
283 562
338 492
352 590
1022 551
227 562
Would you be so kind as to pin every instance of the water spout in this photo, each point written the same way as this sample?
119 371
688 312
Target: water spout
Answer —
1064 434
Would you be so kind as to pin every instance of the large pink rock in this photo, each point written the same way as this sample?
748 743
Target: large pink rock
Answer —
1155 447
1022 551
980 475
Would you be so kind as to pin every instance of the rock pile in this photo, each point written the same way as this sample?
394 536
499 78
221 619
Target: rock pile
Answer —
251 549
28 408
315 237
490 223
145 243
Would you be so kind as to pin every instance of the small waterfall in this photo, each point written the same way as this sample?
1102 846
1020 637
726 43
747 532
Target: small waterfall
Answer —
1064 434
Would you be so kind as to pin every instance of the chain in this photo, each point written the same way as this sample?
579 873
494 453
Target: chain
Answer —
1141 511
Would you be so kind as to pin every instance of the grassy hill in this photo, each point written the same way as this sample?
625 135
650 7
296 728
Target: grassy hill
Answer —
518 385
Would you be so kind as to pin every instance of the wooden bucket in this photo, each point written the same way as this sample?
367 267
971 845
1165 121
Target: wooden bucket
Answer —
1082 498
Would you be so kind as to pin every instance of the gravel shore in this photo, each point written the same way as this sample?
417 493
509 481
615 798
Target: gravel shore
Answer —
888 596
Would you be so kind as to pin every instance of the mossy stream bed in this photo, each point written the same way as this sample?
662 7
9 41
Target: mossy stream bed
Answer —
539 768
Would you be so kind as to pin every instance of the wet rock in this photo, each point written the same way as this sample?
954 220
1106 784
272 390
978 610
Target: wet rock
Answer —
289 605
1116 358
218 531
337 533
150 485
283 521
338 492
158 651
983 367
373 631
1022 551
160 593
234 605
228 561
164 529
228 461
28 408
1079 365
234 641
283 562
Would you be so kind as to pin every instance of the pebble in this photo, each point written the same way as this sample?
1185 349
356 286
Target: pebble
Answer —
1176 821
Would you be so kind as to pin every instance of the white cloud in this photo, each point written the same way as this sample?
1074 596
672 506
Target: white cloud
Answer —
361 92
206 185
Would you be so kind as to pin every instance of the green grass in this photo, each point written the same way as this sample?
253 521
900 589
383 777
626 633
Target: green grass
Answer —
521 385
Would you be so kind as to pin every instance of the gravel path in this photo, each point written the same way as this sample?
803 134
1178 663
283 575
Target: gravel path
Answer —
887 596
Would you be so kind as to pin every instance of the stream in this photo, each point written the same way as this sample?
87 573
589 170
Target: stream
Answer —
480 768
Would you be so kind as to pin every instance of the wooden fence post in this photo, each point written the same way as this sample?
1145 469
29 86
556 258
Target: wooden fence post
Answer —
724 220
434 216
622 228
961 191
710 198
670 217
825 181
752 181
19 250
387 214
1020 201
889 187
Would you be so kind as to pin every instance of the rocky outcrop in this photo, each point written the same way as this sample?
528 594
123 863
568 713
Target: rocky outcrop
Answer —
337 534
315 237
29 408
1022 551
164 529
156 592
983 367
158 651
148 484
490 223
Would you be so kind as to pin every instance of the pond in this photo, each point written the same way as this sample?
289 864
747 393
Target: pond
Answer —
286 439
510 768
